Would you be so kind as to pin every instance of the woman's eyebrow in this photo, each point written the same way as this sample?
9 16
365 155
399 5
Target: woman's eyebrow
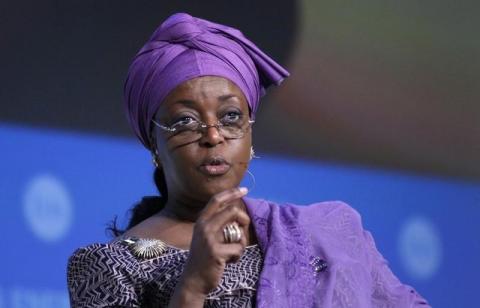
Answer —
227 97
189 103
168 109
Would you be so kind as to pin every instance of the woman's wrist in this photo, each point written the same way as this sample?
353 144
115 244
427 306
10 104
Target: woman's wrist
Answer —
187 294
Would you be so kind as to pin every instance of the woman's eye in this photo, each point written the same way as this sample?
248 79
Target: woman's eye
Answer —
183 121
231 117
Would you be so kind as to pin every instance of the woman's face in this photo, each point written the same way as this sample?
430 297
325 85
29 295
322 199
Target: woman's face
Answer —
210 163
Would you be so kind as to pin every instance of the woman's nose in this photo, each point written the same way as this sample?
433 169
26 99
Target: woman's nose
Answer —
211 136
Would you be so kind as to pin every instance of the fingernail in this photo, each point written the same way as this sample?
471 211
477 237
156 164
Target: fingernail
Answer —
243 190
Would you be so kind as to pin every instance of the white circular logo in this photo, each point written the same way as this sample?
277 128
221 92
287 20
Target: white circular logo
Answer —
420 247
47 208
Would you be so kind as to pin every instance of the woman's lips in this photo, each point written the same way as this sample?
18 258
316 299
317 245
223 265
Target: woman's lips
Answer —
214 166
215 169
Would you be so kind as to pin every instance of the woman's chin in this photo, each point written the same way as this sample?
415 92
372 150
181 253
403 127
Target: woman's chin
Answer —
208 190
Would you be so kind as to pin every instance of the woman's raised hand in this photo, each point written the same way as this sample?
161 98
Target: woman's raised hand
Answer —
209 253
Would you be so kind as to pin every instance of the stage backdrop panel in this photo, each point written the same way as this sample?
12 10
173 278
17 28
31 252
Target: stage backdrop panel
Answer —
58 191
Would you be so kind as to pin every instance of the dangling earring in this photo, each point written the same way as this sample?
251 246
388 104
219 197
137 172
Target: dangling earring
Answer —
254 182
252 154
155 160
153 149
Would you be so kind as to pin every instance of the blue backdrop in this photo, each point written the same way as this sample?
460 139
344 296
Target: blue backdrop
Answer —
58 191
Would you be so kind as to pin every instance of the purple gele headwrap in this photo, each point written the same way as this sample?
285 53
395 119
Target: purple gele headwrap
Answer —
185 47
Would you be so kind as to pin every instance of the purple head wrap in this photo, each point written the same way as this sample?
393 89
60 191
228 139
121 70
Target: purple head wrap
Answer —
185 47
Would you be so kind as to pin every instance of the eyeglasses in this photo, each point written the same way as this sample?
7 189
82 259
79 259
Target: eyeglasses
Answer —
187 129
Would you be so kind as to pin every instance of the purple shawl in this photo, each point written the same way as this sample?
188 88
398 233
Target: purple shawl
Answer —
354 274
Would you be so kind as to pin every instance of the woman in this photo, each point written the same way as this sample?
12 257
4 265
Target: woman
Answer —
191 95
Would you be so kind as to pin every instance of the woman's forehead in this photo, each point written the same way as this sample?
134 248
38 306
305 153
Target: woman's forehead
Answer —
205 91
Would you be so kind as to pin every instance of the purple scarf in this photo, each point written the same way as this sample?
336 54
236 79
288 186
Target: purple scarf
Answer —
320 256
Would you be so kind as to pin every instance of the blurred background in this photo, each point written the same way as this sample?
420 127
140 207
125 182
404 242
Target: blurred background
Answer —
381 111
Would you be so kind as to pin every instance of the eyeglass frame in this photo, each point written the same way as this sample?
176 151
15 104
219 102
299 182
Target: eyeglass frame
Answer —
202 126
